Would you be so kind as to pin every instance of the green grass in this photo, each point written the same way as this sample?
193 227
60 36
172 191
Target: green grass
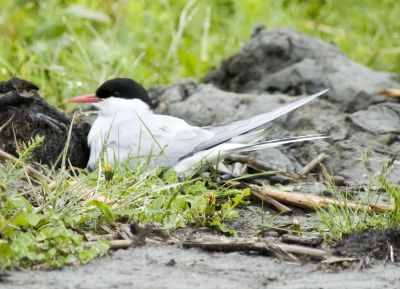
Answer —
69 47
44 221
335 222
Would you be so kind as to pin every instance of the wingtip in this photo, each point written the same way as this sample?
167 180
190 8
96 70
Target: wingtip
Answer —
315 95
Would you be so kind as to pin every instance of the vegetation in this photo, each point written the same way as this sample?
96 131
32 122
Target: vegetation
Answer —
338 221
45 225
68 47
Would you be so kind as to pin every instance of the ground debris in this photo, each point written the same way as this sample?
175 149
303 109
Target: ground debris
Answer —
333 263
390 92
277 249
314 202
123 236
373 243
302 240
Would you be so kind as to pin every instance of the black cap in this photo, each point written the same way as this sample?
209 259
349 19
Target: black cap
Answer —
123 88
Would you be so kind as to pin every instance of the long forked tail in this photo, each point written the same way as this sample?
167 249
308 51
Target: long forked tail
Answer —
212 155
274 143
225 132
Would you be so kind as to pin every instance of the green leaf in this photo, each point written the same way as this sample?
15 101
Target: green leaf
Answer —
197 187
172 221
5 254
170 177
104 208
25 219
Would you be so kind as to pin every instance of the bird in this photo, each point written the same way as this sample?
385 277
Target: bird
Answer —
126 129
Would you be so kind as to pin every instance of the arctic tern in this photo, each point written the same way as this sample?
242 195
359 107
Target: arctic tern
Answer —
126 128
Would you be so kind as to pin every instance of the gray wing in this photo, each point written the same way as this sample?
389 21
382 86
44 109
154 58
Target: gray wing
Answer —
165 138
225 132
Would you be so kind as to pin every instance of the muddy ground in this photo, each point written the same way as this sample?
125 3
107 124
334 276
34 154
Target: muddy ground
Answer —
275 66
171 267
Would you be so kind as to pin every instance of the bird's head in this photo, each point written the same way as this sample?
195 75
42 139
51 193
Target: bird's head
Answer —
116 88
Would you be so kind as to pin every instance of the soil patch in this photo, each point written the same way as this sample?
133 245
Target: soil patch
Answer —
376 244
28 115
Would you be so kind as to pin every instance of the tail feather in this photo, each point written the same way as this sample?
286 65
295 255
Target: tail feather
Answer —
275 143
243 126
197 160
252 137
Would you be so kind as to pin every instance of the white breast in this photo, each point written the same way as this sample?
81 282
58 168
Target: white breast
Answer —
128 128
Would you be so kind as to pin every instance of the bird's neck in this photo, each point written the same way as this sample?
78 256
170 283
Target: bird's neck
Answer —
113 105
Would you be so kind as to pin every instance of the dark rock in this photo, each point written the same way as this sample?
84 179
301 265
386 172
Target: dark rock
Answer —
379 119
286 61
276 159
360 157
29 116
209 105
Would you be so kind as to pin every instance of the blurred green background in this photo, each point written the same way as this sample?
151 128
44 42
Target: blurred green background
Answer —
69 47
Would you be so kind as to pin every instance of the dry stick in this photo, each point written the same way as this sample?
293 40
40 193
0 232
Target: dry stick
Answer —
91 238
259 165
120 244
302 240
391 92
282 209
262 247
302 250
224 246
311 165
33 173
114 244
315 202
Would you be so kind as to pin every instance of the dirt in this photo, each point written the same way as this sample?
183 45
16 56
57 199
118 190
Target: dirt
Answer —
32 116
276 66
376 244
171 267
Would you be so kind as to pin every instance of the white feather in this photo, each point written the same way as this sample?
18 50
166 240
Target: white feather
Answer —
209 156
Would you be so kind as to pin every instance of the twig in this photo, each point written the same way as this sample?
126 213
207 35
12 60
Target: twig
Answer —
315 202
303 250
391 254
260 166
90 237
114 244
33 173
302 240
311 165
390 92
120 244
282 209
261 247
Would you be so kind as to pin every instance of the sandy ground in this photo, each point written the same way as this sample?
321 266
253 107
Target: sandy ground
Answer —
171 267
